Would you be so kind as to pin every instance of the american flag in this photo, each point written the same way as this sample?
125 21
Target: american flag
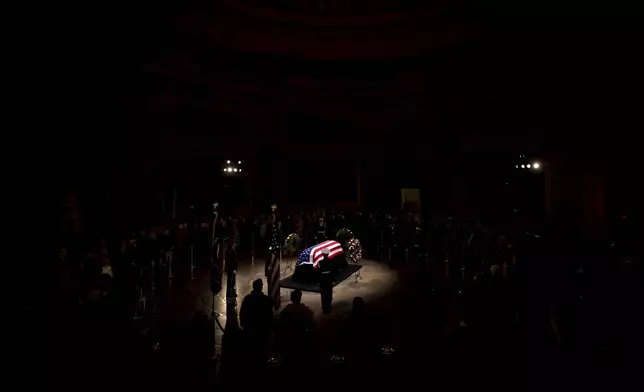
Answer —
273 268
313 255
274 247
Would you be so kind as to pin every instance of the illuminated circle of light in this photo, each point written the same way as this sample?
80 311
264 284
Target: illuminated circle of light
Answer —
522 166
228 162
517 166
528 166
239 162
235 170
240 170
536 165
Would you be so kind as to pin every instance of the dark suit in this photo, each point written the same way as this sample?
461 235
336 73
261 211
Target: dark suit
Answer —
256 317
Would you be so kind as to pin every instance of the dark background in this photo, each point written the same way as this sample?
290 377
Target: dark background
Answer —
157 95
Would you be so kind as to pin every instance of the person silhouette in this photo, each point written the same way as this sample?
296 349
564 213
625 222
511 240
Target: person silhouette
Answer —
256 318
296 324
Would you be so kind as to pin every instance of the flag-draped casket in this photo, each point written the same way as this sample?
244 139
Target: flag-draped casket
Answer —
311 261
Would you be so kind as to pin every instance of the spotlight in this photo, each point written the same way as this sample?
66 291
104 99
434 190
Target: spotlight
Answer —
228 162
225 169
522 166
536 165
528 166
240 170
235 170
517 166
239 162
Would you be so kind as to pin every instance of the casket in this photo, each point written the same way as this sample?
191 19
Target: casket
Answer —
312 261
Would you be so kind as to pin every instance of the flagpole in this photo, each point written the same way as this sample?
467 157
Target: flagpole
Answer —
273 262
214 268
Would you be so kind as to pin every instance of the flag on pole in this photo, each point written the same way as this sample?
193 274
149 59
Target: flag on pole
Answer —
273 275
274 247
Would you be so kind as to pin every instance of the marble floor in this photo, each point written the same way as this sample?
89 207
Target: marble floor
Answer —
376 280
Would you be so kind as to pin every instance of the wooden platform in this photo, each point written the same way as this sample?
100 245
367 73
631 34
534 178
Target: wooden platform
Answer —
288 282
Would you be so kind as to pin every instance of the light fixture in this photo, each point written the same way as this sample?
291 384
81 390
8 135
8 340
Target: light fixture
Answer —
228 162
240 170
522 166
239 162
225 169
536 165
528 166
517 166
235 170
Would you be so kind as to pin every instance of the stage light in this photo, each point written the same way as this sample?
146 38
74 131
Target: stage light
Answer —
274 362
536 165
337 359
228 162
522 166
225 169
235 170
239 162
240 170
517 166
387 350
528 166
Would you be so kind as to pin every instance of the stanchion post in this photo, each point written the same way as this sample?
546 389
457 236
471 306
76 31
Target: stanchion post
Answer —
140 303
170 256
192 261
141 308
153 275
252 248
231 288
138 313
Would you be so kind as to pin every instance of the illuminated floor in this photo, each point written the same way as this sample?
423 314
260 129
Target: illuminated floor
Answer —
376 281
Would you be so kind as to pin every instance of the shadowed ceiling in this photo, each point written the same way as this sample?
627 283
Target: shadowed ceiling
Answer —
196 78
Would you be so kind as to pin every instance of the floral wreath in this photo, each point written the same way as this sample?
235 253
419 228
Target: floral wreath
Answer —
350 245
292 243
343 237
354 251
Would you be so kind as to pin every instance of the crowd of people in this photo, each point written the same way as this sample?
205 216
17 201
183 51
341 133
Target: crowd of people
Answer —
495 287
